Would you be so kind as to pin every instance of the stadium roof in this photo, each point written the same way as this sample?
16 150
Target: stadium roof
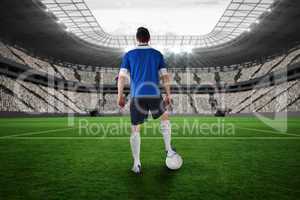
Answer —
28 25
237 18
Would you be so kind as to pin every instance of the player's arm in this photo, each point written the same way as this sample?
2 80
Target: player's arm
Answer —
166 81
123 75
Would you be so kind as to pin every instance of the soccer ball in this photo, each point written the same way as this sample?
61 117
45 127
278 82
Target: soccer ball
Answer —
174 162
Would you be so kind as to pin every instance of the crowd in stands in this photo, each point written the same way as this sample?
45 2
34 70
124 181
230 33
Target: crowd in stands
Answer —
187 77
17 95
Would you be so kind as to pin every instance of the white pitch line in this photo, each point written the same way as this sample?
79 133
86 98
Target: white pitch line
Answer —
150 138
35 133
269 131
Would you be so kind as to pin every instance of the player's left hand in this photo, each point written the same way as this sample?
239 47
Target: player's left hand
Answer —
168 100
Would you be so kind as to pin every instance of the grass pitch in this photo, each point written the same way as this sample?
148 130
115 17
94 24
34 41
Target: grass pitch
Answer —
89 158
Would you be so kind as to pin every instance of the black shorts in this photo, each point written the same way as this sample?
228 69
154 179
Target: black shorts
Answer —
140 107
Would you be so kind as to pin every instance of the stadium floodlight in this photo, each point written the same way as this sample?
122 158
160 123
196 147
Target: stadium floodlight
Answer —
188 49
176 50
182 49
128 48
161 48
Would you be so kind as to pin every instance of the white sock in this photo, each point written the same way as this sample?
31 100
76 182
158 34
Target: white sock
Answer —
166 132
135 143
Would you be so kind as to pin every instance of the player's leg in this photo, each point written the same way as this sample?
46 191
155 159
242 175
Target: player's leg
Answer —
167 133
138 116
159 110
135 143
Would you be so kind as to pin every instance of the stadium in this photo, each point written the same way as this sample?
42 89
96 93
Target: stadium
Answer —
234 68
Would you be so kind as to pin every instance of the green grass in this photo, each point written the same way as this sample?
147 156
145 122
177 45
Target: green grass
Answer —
45 158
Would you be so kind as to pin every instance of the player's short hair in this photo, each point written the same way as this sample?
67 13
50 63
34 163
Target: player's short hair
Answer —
143 35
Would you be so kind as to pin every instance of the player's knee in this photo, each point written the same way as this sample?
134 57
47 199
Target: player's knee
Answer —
165 117
135 129
165 125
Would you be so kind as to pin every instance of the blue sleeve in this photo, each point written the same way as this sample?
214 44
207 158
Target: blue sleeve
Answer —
162 63
125 62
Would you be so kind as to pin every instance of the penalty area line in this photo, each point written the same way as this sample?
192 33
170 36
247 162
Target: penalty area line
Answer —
36 133
268 131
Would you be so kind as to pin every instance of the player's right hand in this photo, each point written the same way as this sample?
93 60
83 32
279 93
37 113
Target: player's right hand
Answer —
121 101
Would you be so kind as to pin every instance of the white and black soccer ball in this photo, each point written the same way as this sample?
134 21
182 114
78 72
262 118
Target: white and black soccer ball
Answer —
174 162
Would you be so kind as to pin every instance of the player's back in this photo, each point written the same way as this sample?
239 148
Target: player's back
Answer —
143 64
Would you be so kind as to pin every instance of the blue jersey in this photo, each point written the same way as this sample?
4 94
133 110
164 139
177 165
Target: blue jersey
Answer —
144 65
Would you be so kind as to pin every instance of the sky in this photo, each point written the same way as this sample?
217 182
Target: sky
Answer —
178 17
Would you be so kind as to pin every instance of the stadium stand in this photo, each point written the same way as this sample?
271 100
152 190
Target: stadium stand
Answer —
28 97
21 96
59 71
186 77
7 53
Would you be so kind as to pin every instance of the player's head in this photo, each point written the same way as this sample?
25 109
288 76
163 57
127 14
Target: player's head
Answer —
143 35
